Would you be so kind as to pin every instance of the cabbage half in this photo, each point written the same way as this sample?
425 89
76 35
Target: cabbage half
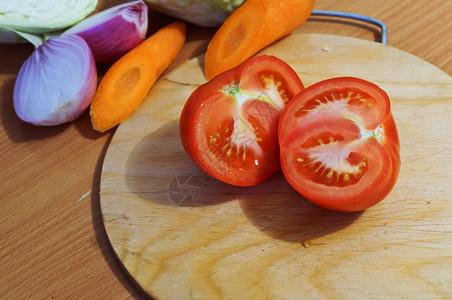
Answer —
10 36
41 16
207 13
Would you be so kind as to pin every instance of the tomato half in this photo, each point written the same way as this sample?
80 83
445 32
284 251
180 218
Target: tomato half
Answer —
229 125
339 144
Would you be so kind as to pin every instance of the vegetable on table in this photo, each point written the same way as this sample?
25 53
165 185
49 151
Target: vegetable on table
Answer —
207 13
41 16
56 83
115 31
339 144
253 26
130 78
10 36
229 125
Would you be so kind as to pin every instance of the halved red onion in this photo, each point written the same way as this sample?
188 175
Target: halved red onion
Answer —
56 83
115 31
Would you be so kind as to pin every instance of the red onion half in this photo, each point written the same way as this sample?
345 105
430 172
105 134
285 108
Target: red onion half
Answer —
56 83
115 31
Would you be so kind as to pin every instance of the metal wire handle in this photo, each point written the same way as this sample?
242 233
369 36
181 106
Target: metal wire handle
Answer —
383 28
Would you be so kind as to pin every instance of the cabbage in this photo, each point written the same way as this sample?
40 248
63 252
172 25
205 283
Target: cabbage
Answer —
207 13
9 36
41 16
12 36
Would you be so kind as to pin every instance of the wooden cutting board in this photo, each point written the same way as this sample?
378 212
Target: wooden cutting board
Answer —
182 235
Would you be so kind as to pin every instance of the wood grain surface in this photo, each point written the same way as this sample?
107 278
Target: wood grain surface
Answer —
52 241
184 235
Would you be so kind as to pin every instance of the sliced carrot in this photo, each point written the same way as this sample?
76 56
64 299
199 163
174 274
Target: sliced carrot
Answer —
253 26
127 82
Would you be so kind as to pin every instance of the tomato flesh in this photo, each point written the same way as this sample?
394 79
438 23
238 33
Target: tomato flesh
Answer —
339 144
229 125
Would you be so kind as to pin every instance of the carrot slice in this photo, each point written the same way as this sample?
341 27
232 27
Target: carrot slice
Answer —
253 26
127 82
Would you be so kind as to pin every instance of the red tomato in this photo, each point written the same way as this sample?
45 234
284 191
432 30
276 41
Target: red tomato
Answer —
229 125
339 144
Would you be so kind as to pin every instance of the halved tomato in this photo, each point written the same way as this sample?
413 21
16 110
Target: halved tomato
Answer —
229 125
339 144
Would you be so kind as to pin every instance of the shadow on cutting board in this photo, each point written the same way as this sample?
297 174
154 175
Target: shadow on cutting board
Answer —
159 171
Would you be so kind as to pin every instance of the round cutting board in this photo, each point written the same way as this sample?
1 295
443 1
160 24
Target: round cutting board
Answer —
183 235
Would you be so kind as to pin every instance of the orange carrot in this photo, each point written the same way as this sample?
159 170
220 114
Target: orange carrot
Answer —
129 79
253 26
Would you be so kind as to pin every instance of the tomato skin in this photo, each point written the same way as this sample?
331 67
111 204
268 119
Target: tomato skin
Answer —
342 155
229 125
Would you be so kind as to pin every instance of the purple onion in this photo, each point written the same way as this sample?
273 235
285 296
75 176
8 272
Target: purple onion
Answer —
115 31
56 83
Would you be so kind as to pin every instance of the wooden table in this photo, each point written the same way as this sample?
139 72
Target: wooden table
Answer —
53 244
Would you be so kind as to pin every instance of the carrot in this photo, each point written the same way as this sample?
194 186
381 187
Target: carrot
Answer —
253 26
127 82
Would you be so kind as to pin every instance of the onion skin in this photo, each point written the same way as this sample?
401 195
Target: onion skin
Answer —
115 31
56 84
